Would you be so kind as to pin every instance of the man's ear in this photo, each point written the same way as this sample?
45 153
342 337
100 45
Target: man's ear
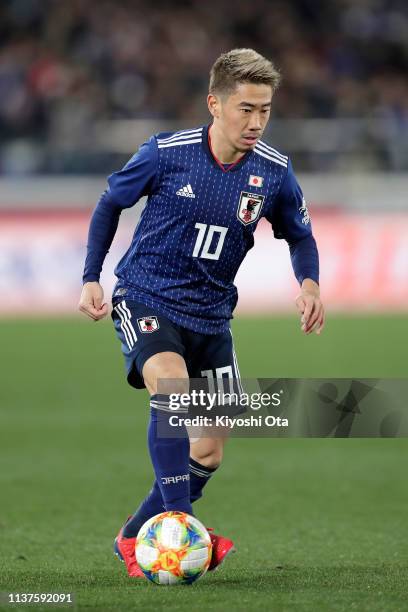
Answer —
213 103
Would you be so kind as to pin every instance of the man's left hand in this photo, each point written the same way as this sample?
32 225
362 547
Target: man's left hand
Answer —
310 307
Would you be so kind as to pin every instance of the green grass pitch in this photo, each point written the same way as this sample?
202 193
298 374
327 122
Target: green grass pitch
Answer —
318 524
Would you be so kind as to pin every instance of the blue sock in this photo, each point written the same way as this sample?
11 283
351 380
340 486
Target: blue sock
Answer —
153 503
169 448
150 506
199 476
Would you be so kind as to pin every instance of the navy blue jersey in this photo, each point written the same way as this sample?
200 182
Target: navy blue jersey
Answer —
198 223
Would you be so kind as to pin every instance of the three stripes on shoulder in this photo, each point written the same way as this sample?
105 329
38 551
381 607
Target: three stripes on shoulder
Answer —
181 138
264 150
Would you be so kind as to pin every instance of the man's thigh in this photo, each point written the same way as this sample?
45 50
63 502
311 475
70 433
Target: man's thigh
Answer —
165 373
143 333
213 357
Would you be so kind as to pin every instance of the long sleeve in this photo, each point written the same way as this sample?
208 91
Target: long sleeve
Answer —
125 188
102 229
290 220
305 259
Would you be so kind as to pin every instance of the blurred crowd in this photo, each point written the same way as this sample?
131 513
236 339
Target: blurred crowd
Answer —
65 64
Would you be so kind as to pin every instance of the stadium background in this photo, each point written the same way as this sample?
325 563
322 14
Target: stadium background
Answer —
82 84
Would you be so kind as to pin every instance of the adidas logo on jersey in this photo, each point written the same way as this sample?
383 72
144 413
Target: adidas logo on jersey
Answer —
186 192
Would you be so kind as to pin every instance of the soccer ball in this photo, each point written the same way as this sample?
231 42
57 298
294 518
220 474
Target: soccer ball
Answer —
173 548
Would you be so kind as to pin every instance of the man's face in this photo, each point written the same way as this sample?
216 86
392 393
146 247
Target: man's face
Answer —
242 116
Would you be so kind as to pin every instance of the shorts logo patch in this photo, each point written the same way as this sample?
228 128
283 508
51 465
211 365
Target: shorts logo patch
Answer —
249 207
147 325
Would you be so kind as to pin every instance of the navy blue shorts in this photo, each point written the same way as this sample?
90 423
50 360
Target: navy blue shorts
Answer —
143 333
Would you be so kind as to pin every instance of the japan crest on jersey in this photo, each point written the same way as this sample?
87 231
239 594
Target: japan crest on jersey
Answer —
147 325
249 207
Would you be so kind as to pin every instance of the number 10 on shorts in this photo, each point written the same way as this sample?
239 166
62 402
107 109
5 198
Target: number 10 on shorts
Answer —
208 232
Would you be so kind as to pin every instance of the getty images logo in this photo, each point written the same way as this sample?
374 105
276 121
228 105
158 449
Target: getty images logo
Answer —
175 479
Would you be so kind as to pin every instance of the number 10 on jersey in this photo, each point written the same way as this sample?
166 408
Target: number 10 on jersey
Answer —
208 232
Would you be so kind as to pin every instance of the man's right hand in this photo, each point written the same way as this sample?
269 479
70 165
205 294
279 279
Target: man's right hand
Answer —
91 302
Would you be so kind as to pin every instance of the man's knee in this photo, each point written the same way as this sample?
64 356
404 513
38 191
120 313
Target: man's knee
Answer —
166 373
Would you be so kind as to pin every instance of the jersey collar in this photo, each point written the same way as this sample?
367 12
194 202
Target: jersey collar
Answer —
207 148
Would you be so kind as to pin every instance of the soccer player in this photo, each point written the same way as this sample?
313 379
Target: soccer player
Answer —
207 188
